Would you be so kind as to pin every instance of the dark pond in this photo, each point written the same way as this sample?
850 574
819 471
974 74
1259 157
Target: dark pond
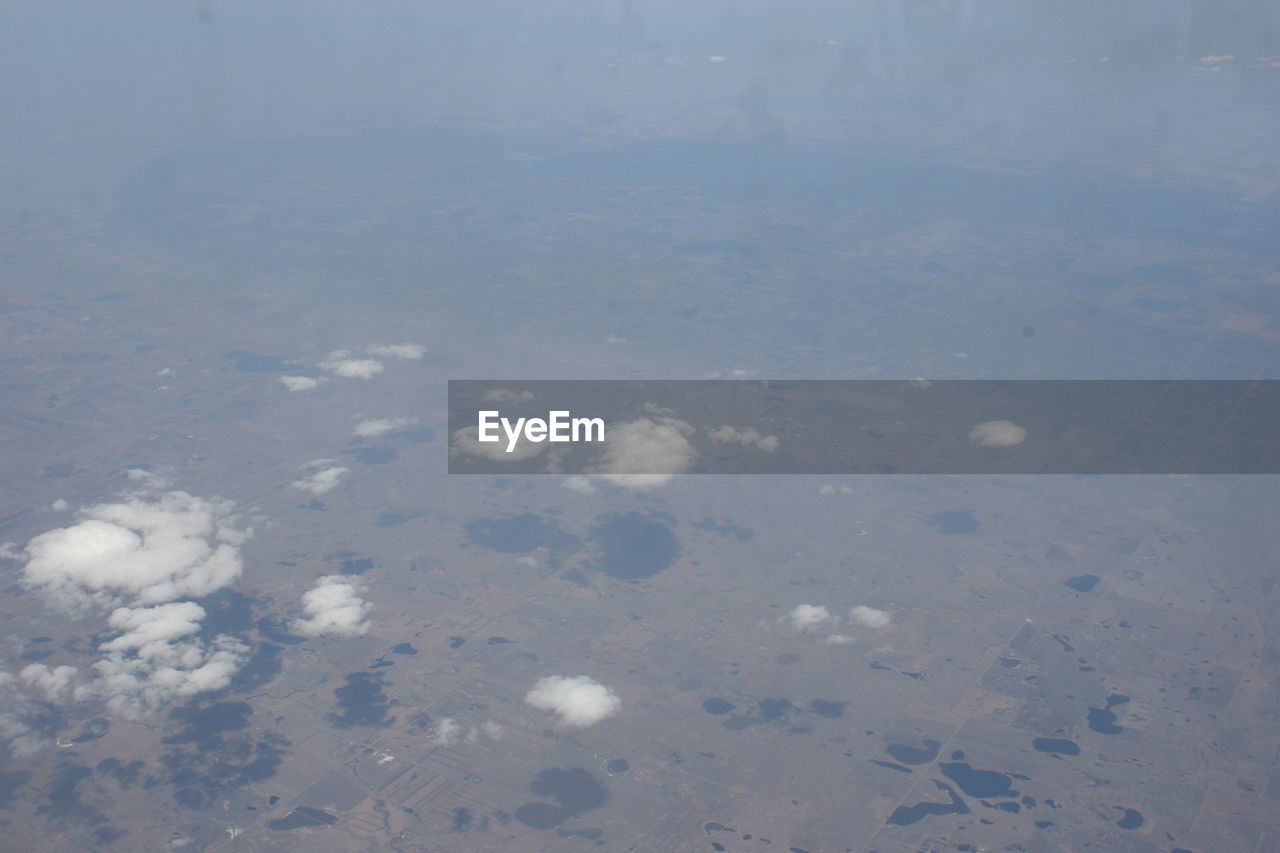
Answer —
1132 819
618 766
1056 746
912 754
573 788
356 566
827 708
634 546
983 784
1082 583
907 815
718 706
775 709
1103 720
361 702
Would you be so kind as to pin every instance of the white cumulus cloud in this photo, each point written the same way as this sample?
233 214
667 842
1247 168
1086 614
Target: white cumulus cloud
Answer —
646 453
447 731
467 440
340 363
155 657
54 682
303 383
578 701
322 478
148 549
870 617
580 484
805 617
411 352
334 608
997 434
749 437
374 427
506 395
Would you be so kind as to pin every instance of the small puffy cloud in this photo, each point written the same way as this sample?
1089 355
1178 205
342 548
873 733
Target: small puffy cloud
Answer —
156 656
148 479
837 640
340 363
997 434
749 437
580 484
832 490
374 427
149 549
148 630
322 478
1214 60
60 505
22 739
447 731
467 440
334 608
806 617
410 352
646 453
922 384
55 683
870 617
303 383
506 395
578 701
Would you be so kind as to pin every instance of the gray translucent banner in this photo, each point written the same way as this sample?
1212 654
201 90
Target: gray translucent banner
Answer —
658 428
